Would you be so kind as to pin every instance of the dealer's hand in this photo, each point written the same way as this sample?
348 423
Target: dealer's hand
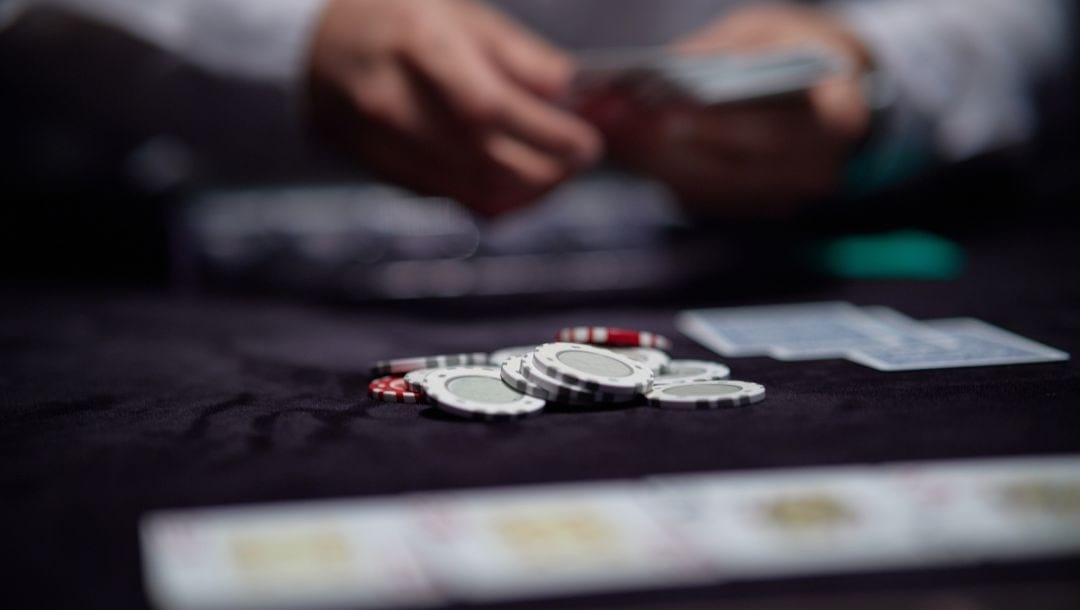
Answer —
751 159
448 97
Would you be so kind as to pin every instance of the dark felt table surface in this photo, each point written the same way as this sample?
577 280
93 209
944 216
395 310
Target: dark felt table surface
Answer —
114 402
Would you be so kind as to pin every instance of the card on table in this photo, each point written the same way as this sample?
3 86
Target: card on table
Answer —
777 524
315 554
974 510
550 541
560 540
975 343
910 329
877 337
787 332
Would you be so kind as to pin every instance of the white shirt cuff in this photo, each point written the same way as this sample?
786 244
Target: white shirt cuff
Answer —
962 71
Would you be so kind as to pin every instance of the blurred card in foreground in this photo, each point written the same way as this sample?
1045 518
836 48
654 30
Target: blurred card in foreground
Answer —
547 542
321 554
554 540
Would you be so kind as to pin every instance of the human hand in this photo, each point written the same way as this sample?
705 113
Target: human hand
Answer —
448 97
761 158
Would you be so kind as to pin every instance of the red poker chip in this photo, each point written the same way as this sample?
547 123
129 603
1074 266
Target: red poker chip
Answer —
617 337
393 389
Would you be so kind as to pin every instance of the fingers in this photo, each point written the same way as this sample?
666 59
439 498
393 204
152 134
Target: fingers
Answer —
755 28
841 107
390 98
482 97
506 176
526 58
719 36
524 166
548 128
751 132
411 163
450 97
715 178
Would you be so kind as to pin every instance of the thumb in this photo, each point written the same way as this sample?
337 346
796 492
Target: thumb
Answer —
841 106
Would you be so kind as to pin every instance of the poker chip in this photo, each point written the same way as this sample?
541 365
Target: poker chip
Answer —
620 337
592 368
595 366
654 359
567 393
393 389
415 379
499 356
705 394
681 370
478 393
400 366
511 372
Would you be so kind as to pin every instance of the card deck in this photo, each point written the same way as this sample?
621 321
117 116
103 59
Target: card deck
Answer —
658 75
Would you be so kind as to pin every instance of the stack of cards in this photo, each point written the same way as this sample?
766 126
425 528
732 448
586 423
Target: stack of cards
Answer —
656 75
877 337
552 541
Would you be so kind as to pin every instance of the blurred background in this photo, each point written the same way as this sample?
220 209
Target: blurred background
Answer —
129 160
121 161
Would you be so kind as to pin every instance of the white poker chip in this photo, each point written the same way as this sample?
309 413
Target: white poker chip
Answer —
400 366
592 368
656 360
681 370
513 377
415 379
705 394
567 393
499 356
478 393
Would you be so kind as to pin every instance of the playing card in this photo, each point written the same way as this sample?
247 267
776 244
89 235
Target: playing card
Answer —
979 510
976 343
910 329
551 541
548 541
304 555
788 332
877 337
656 75
720 79
784 523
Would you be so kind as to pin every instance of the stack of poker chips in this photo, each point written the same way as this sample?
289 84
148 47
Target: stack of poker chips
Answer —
586 366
